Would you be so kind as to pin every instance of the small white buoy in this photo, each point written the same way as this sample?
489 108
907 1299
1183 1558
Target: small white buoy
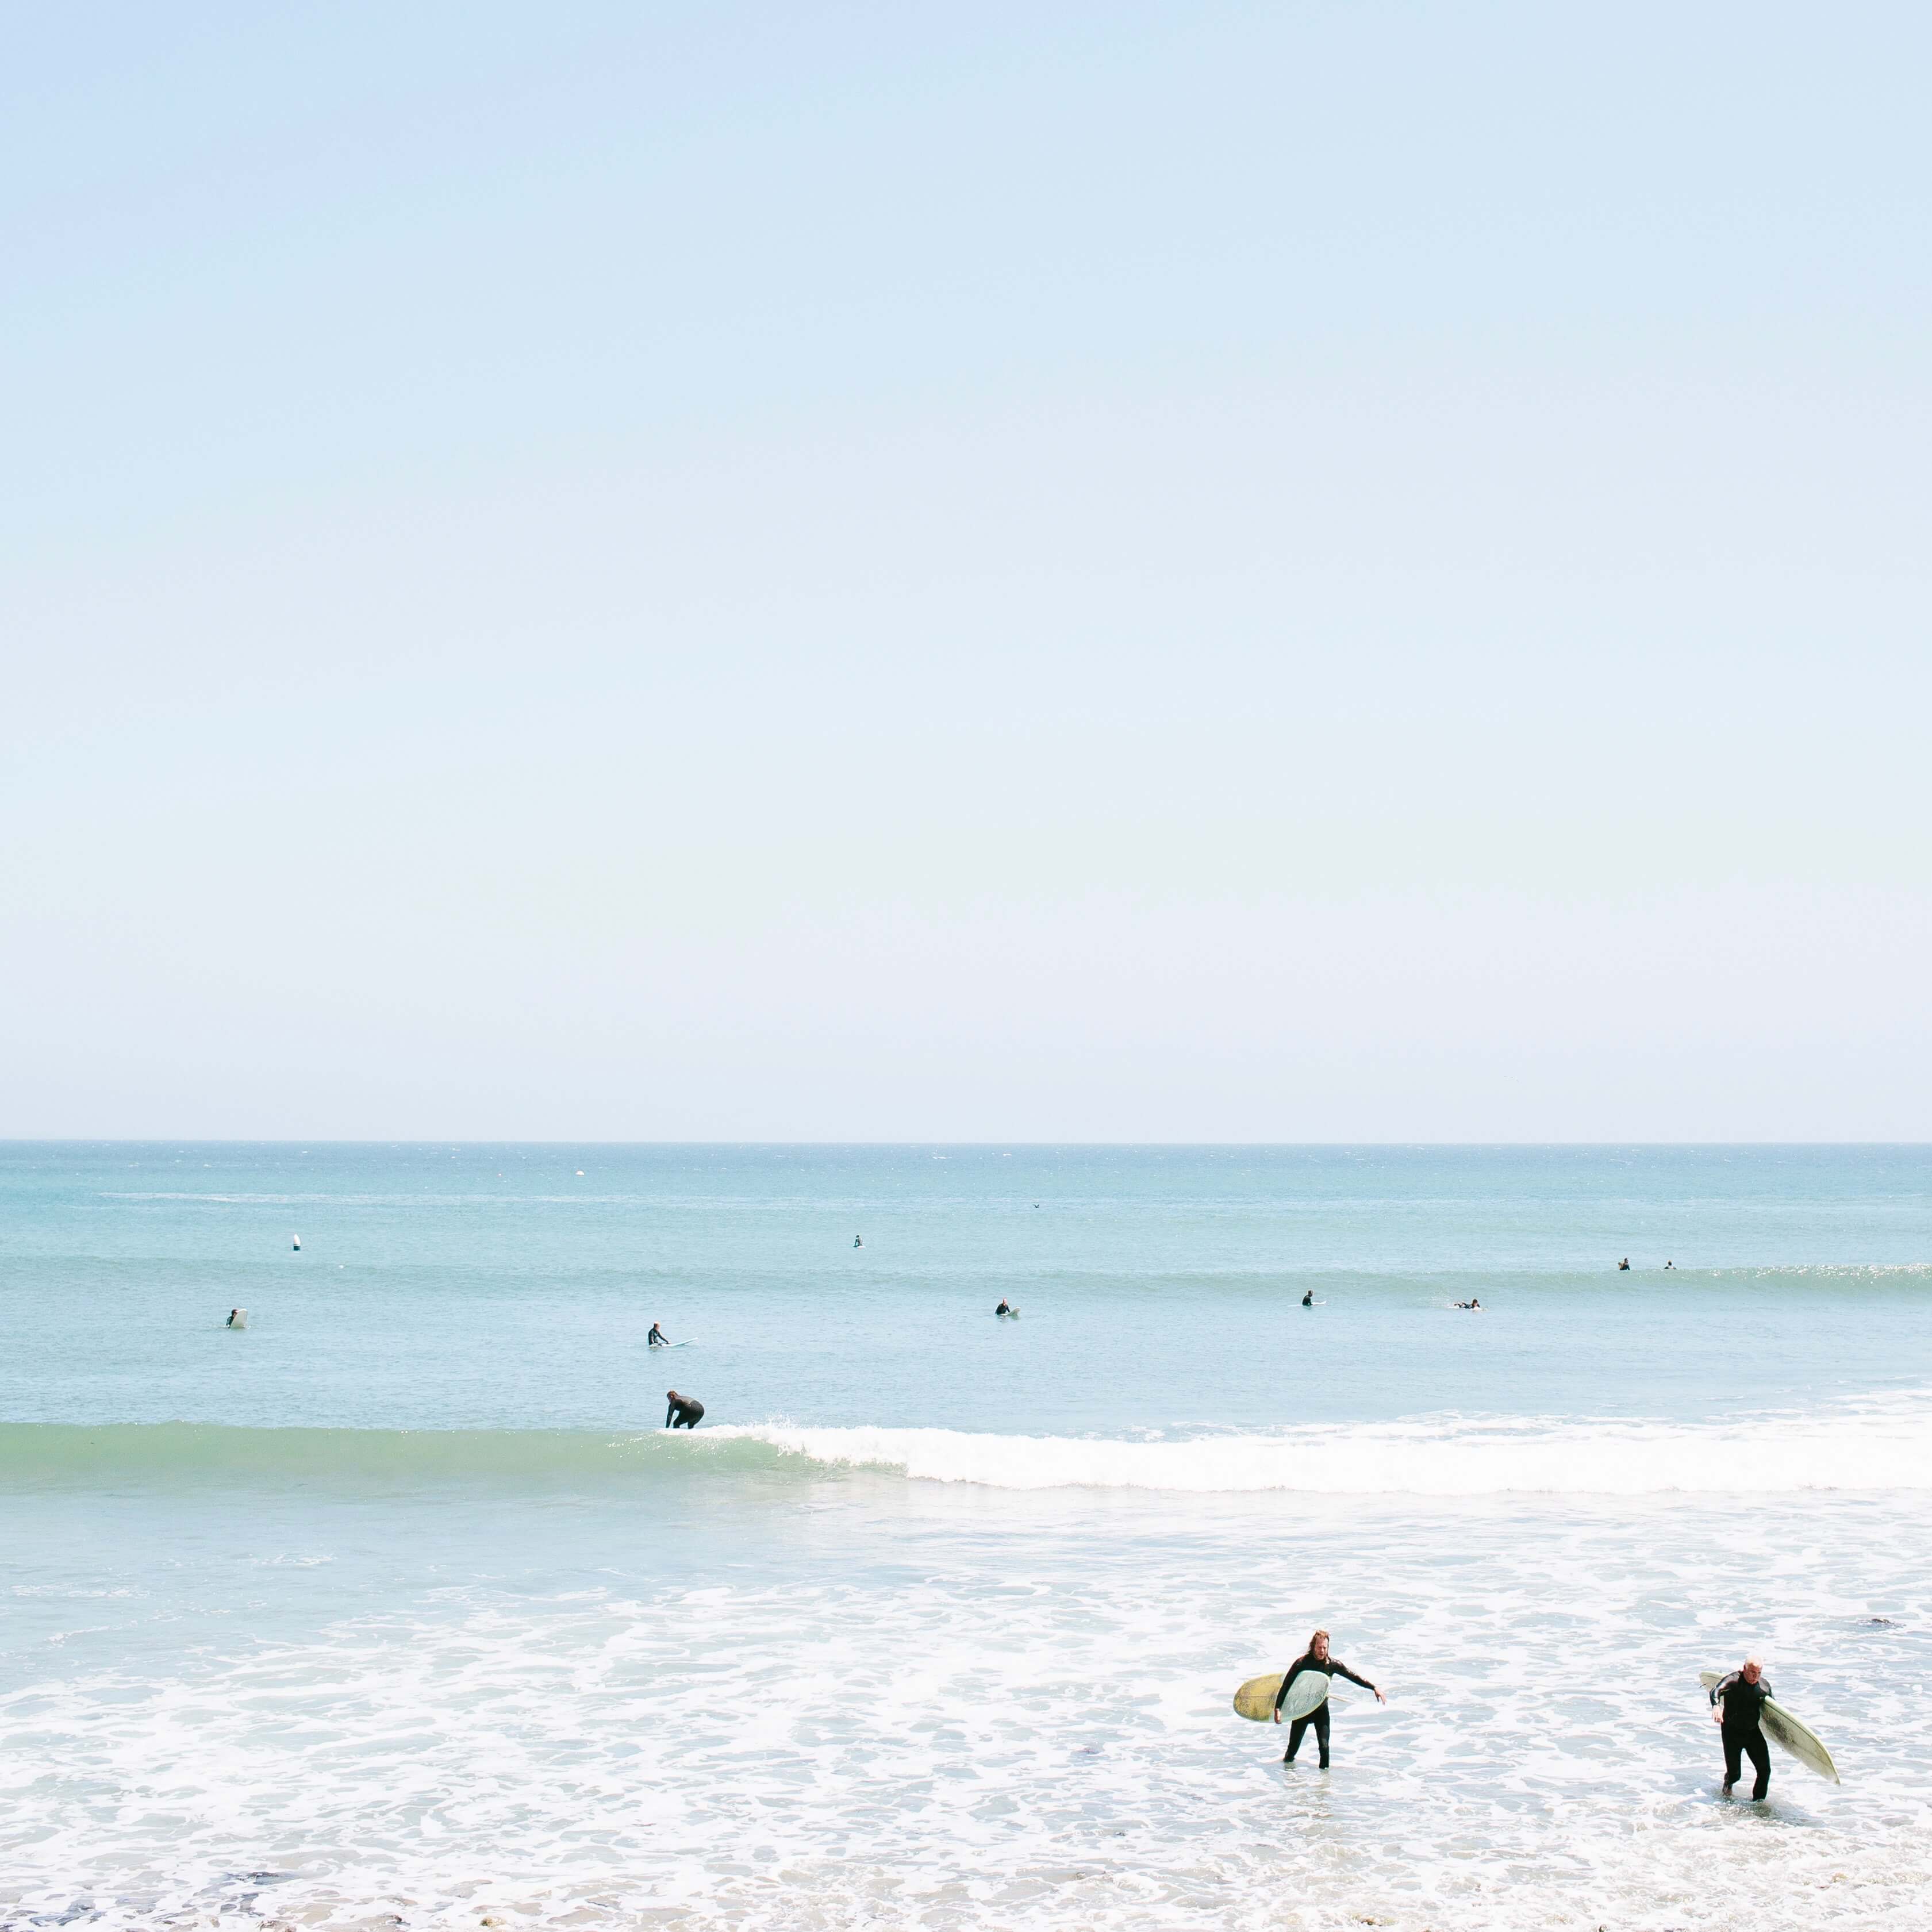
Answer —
237 1317
580 1173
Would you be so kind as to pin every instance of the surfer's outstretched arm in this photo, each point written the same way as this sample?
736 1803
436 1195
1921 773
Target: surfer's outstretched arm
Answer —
1343 1670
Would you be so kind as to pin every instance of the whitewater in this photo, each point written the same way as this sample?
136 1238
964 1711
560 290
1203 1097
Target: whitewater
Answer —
400 1606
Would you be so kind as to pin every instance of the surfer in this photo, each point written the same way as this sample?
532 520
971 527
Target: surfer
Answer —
232 1313
857 1242
1003 1310
1737 1705
1308 1300
683 1413
1623 1266
657 1338
1316 1657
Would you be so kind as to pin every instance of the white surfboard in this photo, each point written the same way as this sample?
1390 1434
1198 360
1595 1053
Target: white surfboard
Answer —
1256 1699
1788 1733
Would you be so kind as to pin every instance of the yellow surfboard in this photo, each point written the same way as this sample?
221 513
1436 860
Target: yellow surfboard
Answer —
1256 1699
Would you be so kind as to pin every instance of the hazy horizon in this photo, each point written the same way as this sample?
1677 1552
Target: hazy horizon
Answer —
1236 576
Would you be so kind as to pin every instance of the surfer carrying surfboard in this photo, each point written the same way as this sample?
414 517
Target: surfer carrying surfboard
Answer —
1315 1658
1737 1704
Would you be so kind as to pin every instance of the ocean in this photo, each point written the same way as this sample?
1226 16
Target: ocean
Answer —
399 1606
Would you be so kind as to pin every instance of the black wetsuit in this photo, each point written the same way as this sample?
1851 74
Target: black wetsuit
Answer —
1308 1300
1743 1733
657 1338
1318 1717
685 1415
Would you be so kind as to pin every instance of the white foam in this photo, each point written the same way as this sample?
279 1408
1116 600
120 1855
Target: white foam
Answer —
1017 1726
1875 1445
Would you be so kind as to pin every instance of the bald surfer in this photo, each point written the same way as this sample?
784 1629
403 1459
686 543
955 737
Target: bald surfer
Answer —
657 1338
1316 1657
683 1412
1737 1706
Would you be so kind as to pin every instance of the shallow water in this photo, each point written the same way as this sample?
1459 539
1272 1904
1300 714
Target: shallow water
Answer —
397 1604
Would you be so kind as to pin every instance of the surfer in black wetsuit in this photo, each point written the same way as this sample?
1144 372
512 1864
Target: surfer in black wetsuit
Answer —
1003 1310
1737 1704
657 1338
1623 1266
683 1413
1316 1657
1308 1300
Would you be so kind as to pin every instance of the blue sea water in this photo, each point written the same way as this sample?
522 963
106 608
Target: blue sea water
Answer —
400 1603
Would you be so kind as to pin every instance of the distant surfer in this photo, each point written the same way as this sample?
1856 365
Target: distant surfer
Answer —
1737 1705
232 1314
683 1413
657 1338
1316 1657
1308 1300
1471 1303
1003 1310
857 1242
1623 1266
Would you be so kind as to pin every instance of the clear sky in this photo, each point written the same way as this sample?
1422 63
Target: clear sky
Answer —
1001 571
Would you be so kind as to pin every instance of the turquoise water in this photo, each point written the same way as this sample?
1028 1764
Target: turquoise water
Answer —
401 1602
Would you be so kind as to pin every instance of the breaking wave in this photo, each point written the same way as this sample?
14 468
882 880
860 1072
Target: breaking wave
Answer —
1875 1445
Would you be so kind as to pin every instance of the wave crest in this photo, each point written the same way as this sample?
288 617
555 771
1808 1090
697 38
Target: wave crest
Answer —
1881 1446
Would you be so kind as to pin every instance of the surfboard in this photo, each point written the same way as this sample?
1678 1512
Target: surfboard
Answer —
1255 1698
685 1344
1788 1733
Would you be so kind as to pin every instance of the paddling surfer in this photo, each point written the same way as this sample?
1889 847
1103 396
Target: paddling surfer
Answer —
683 1412
1316 1657
1737 1705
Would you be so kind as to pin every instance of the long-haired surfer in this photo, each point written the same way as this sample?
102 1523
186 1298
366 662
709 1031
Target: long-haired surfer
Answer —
1737 1704
1316 1657
683 1413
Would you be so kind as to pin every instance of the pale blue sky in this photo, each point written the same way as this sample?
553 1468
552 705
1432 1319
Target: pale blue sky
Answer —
1191 572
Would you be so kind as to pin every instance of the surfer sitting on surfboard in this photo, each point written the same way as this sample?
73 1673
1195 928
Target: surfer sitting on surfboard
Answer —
657 1338
1316 1658
1737 1703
